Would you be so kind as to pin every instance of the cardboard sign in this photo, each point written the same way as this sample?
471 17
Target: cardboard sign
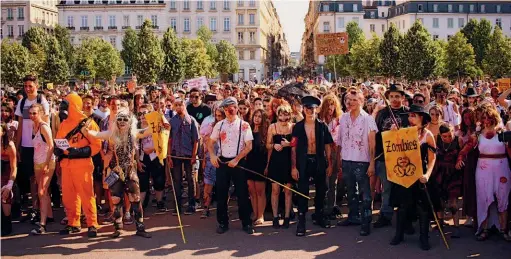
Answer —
62 143
159 134
199 82
49 86
504 84
402 156
332 43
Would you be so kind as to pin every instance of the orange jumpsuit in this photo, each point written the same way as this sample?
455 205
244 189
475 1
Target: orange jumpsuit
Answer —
77 183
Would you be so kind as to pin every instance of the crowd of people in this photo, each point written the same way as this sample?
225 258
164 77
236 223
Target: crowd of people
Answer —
263 146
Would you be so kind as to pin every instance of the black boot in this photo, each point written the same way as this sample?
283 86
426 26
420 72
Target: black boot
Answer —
6 224
300 227
400 227
424 229
365 230
141 230
286 223
276 223
117 230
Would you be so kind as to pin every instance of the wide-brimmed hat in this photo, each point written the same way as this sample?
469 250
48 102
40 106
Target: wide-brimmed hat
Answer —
420 110
471 92
395 88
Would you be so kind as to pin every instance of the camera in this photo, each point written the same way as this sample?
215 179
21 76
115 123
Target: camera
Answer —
504 136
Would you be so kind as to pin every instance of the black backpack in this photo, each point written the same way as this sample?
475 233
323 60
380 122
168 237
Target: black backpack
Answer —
39 99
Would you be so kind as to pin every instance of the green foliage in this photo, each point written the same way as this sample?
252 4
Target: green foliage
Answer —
37 61
149 56
197 62
62 35
440 47
497 61
355 33
365 58
15 62
204 34
172 70
55 68
97 59
389 52
418 60
478 35
35 36
129 47
461 62
227 59
342 62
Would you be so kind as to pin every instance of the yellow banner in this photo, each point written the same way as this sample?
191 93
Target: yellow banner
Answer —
504 84
402 156
159 133
49 86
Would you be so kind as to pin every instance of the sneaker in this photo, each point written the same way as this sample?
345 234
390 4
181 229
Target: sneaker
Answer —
35 217
249 229
128 220
381 222
39 230
190 210
69 230
143 233
205 214
92 232
222 229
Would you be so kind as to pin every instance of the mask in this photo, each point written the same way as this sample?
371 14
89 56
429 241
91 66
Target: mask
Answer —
63 110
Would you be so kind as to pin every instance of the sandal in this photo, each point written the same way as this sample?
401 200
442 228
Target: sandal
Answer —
483 235
505 235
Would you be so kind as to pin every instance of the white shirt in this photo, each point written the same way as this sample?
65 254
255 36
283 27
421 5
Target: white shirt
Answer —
353 136
229 137
451 117
101 114
28 125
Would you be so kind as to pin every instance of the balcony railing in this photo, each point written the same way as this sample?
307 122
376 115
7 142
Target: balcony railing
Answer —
98 28
125 27
156 27
138 27
70 28
112 27
21 18
10 36
84 28
10 18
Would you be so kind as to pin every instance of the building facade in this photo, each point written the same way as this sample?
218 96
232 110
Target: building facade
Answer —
441 18
242 23
20 15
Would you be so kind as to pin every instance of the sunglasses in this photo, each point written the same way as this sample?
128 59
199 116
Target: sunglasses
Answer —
123 119
140 114
32 113
419 101
194 96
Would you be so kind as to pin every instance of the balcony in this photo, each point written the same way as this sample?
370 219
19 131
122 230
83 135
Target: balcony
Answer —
156 27
112 27
125 27
252 42
98 28
21 18
84 28
70 28
138 27
10 36
10 18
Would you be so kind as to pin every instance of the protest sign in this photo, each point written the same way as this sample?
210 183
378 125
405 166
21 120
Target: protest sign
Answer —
62 143
504 84
159 134
332 43
199 82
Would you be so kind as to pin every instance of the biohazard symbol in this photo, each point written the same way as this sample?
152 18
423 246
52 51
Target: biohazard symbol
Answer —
404 167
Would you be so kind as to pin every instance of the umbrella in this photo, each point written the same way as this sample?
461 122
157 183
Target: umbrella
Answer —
292 90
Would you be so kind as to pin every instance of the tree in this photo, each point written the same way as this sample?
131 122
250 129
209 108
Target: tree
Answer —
227 59
355 33
461 62
389 52
55 68
418 61
172 70
85 59
197 62
342 62
129 47
62 35
497 61
205 35
108 61
15 63
478 35
35 36
365 58
440 48
149 55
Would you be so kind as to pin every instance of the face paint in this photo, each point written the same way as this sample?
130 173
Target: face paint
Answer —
231 110
63 110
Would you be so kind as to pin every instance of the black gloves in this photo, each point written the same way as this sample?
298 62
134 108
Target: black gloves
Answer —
83 152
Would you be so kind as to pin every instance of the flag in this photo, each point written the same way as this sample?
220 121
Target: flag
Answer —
159 134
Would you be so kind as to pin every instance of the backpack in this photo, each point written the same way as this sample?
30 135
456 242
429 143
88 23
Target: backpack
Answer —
39 99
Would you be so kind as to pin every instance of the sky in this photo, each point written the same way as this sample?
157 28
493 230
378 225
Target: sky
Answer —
291 14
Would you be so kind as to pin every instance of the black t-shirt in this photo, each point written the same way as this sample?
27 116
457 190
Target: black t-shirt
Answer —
199 113
384 122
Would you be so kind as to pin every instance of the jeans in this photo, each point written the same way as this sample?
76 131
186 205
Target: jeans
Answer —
177 177
355 173
331 183
386 210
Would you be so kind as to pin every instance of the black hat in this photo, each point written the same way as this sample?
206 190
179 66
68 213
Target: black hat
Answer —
420 110
395 88
181 91
471 92
310 101
210 97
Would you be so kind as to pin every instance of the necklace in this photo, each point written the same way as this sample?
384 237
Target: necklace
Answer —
443 145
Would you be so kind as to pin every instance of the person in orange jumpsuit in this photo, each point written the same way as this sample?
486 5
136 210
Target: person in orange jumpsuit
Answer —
76 164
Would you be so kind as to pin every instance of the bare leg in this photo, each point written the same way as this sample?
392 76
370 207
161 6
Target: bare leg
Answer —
253 198
261 199
288 198
275 191
208 189
43 182
33 192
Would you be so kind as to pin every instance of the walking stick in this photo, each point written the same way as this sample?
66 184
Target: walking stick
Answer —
177 210
436 219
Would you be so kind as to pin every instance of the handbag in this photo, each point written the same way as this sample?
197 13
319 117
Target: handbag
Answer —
115 174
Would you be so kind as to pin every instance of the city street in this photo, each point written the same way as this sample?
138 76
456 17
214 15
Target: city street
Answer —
202 241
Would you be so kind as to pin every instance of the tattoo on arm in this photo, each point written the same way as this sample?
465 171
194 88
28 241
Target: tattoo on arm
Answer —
293 157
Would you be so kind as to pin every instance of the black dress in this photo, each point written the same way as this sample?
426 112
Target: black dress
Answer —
279 168
256 159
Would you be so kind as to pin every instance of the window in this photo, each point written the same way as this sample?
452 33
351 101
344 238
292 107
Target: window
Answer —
21 13
111 21
449 8
241 19
340 22
126 20
435 23
251 19
326 8
498 8
241 75
154 20
341 7
373 15
10 14
212 24
435 37
186 5
140 20
498 22
483 8
252 37
449 37
251 3
85 22
199 5
355 19
186 25
382 14
372 27
326 27
98 20
461 22
240 3
472 8
461 8
450 22
113 40
420 8
355 7
21 30
172 4
200 22
435 8
252 55
227 24
383 28
241 54
240 37
212 5
70 21
173 24
10 31
227 5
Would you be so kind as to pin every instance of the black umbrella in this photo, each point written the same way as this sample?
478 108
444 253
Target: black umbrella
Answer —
292 90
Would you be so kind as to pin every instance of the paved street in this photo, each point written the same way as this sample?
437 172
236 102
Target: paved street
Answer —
202 241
